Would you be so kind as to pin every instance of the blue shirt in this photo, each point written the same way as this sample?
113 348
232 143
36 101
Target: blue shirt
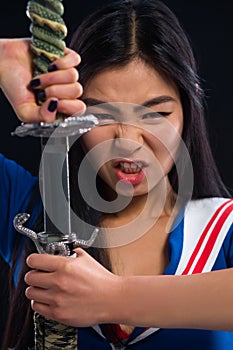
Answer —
16 186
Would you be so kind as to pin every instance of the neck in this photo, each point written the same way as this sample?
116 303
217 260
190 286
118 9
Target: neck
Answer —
154 204
139 217
145 209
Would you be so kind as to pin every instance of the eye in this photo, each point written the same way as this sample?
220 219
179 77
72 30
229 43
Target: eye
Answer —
104 118
152 117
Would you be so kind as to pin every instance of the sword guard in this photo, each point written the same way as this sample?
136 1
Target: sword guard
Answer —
71 126
52 243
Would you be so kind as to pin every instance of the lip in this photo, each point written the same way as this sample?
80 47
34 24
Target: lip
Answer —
139 162
133 179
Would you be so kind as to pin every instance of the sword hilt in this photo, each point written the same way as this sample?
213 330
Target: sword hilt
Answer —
52 243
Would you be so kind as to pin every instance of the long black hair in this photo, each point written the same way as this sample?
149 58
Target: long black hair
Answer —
112 37
124 30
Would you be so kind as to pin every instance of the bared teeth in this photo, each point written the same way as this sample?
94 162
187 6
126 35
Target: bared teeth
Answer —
130 168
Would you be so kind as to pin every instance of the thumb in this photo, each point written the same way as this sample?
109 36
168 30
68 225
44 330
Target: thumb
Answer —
79 252
30 112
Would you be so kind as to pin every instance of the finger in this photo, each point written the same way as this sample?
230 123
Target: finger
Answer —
42 309
39 295
69 91
54 78
47 262
32 113
39 279
80 252
47 112
71 59
72 107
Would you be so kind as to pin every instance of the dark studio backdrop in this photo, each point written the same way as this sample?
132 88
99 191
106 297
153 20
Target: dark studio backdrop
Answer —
209 25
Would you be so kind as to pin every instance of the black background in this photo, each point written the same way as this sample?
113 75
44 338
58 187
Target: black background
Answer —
209 25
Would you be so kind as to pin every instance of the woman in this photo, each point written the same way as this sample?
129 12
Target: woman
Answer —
134 54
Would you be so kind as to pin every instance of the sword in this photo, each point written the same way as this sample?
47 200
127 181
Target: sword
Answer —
58 237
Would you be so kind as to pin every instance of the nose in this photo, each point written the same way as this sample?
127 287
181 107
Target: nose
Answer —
128 139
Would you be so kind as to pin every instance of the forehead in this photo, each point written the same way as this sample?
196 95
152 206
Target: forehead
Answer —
135 82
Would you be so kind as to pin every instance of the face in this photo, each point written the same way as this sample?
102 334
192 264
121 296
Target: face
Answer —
141 123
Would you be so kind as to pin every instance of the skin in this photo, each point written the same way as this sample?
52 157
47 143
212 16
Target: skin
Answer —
130 140
62 288
16 62
138 84
65 294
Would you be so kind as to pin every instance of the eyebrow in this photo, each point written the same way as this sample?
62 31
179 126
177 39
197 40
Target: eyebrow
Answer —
93 102
152 102
155 101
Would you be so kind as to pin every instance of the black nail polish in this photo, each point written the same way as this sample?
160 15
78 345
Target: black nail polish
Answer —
52 106
41 95
52 68
34 83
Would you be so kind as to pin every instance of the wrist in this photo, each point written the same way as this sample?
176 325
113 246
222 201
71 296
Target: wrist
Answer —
5 49
121 301
2 43
114 300
132 296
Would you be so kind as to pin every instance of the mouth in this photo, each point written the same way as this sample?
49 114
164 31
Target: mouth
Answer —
130 171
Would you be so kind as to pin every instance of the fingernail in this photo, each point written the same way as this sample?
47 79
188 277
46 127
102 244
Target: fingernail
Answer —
41 95
52 68
52 105
34 83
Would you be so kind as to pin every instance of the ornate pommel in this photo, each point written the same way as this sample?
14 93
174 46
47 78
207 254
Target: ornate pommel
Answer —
48 32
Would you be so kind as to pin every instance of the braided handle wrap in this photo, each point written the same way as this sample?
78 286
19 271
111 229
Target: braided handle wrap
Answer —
52 335
48 32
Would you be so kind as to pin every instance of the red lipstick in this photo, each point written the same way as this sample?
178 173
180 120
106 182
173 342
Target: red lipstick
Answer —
130 171
133 179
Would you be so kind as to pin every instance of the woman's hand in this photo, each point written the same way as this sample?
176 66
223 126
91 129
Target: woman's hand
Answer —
80 292
74 291
60 88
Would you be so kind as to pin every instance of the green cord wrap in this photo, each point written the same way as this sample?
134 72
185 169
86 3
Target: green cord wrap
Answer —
52 335
48 32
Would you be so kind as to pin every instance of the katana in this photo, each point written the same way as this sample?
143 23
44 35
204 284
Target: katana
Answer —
60 235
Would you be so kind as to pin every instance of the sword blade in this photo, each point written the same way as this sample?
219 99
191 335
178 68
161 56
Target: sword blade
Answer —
54 185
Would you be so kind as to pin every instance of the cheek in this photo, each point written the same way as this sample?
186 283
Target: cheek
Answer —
165 143
96 137
166 155
96 145
89 141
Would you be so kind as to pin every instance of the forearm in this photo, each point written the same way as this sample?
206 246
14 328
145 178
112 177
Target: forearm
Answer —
2 61
15 68
202 301
81 292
